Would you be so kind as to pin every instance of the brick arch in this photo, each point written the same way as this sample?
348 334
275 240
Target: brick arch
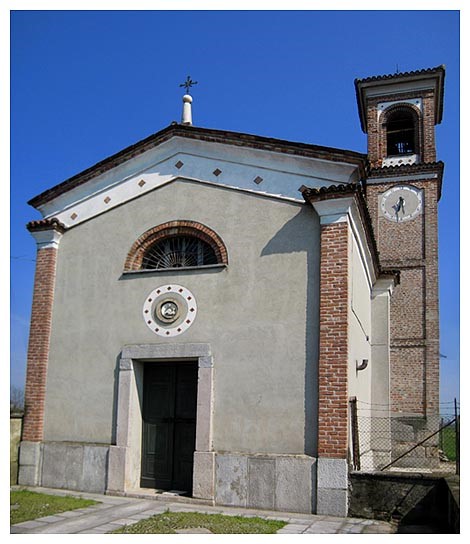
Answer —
170 229
393 109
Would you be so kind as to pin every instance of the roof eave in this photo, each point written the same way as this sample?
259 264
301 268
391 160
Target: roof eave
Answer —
392 79
210 135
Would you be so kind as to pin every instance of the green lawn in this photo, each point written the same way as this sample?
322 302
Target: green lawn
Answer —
168 522
448 442
26 505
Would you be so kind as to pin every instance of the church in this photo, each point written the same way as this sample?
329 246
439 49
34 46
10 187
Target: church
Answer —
208 304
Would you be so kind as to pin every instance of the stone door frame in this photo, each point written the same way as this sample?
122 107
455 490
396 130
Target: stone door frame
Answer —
125 457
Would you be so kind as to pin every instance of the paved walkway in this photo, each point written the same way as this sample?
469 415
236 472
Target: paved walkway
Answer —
114 512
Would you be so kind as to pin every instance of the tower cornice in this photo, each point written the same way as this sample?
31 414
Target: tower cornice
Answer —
400 83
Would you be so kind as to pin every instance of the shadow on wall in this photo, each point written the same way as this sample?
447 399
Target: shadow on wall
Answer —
302 234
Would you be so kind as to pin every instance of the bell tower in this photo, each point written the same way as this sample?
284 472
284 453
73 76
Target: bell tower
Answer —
398 113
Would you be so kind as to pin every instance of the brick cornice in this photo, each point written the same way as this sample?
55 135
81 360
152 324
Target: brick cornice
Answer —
46 232
46 224
405 170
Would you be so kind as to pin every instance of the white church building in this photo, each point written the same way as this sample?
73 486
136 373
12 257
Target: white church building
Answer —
206 304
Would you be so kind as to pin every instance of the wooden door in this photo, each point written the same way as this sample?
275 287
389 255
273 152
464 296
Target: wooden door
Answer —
169 425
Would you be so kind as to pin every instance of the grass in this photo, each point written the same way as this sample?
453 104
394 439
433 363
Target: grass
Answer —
26 505
169 522
448 442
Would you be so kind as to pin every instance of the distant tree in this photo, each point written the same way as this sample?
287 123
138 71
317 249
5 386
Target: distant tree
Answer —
16 398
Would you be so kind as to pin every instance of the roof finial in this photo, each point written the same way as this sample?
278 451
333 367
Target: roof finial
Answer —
188 84
187 118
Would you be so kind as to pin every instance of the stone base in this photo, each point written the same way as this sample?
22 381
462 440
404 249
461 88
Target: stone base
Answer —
332 487
287 483
203 474
30 463
271 482
64 465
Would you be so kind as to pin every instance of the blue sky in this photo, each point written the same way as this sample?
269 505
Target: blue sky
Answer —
85 84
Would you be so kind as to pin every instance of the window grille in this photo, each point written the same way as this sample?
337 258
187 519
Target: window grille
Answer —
179 252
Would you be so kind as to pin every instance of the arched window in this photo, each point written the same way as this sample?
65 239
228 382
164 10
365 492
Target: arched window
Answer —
176 244
401 127
178 252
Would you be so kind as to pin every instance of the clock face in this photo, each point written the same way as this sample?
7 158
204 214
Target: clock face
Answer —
401 203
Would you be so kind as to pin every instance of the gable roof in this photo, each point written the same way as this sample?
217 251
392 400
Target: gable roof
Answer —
208 135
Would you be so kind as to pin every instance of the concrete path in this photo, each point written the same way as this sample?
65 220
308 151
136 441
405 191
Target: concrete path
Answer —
114 512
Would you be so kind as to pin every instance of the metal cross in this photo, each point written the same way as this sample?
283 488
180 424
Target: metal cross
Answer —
188 83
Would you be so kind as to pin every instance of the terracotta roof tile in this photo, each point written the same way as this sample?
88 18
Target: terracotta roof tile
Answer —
46 224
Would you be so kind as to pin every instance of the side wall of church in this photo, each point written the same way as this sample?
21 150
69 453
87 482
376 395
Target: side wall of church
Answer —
359 339
259 315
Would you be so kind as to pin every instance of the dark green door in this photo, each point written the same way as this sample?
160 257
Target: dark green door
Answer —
169 425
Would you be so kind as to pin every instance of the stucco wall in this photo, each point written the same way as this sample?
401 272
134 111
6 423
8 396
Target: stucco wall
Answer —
359 381
260 316
359 325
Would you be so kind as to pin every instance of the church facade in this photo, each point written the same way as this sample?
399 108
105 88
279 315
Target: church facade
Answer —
207 303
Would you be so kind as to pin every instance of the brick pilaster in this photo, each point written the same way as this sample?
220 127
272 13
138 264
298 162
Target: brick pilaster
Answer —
47 234
333 359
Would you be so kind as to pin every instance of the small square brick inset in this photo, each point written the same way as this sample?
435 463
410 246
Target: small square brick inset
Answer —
217 172
258 180
141 183
179 164
107 200
73 216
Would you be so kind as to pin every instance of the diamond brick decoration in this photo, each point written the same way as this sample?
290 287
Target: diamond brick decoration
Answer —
179 164
141 183
73 216
217 172
258 180
107 200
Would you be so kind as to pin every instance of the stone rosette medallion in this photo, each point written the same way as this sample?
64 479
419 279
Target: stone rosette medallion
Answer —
169 310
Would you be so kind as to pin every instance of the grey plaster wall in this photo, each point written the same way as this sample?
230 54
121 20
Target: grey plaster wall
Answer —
260 316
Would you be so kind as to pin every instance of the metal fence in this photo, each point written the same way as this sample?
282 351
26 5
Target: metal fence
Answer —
383 440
